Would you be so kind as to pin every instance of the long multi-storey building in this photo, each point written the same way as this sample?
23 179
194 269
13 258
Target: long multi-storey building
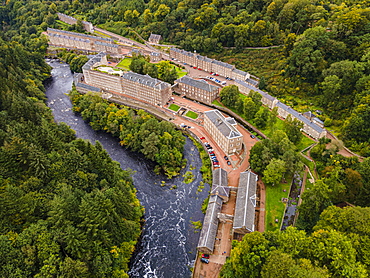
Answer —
223 131
71 20
207 64
82 41
246 200
311 127
141 87
196 89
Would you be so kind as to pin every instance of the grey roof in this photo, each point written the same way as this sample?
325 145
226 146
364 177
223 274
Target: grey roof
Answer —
71 17
107 44
78 34
231 120
201 84
145 80
240 72
96 58
300 117
155 37
222 125
68 37
223 64
88 87
220 183
210 223
204 58
252 81
264 94
309 114
246 202
318 120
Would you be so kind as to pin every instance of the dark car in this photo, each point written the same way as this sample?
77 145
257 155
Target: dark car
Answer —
228 163
206 256
204 260
226 158
252 136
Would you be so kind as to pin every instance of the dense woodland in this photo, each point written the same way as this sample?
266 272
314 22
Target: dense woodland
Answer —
67 209
159 141
59 216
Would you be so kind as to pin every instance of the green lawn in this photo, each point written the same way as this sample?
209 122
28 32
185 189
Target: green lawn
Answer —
174 107
192 115
216 102
180 72
275 208
125 64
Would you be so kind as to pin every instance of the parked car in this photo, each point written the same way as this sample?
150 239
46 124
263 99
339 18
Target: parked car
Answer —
252 136
204 260
215 163
226 158
228 163
206 256
199 69
217 74
212 154
210 150
216 166
202 138
194 67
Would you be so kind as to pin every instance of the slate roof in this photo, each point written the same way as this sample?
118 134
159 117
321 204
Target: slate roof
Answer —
222 125
68 37
210 224
145 80
220 183
300 117
107 44
246 202
96 58
223 64
88 87
201 84
204 58
155 37
252 81
231 120
264 94
240 72
78 34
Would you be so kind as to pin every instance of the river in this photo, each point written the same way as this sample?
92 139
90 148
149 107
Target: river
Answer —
168 245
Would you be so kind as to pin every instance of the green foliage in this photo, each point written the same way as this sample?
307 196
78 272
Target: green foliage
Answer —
65 205
75 61
293 253
138 130
230 95
163 70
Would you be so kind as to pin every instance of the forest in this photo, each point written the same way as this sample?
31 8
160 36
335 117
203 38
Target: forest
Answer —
54 218
159 141
67 209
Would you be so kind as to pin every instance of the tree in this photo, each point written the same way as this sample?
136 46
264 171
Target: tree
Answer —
261 117
293 128
314 200
274 172
262 83
249 108
277 265
229 95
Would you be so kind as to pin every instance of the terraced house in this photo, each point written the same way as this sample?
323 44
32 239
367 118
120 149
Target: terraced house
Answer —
196 89
207 64
223 131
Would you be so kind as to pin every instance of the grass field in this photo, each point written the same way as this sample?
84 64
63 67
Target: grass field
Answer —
125 64
192 115
216 102
174 107
275 208
180 72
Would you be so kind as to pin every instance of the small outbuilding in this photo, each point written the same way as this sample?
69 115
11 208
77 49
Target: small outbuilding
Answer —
154 38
